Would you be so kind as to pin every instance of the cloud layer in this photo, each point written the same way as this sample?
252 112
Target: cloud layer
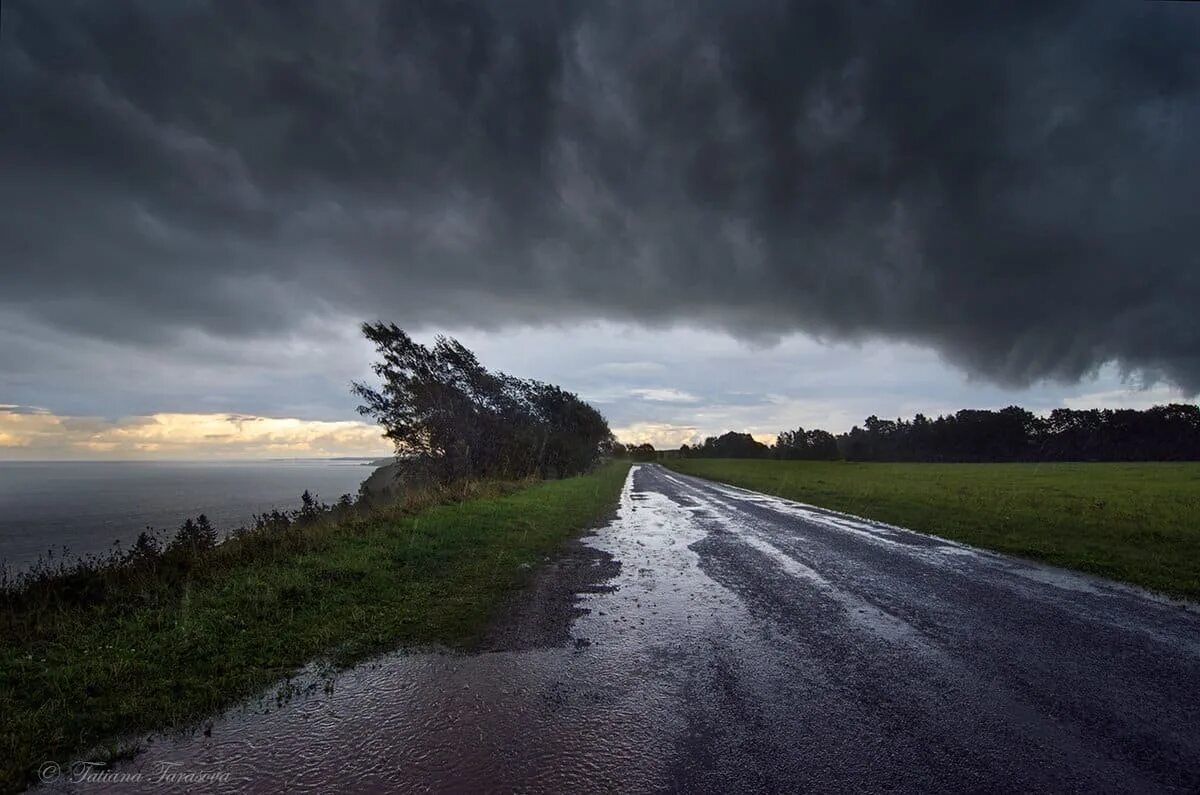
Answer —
1013 186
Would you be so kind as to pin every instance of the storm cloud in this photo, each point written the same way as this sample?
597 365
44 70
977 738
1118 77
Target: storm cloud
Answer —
1016 186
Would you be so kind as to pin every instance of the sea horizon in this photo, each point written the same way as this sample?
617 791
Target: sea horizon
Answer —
87 505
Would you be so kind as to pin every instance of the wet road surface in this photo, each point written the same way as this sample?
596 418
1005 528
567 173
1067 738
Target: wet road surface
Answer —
748 643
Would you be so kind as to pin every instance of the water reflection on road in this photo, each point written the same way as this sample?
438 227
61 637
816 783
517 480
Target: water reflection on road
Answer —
602 713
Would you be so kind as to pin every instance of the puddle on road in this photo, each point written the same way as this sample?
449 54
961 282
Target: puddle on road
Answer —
603 712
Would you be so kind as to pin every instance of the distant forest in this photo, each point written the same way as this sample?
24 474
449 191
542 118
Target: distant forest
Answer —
1162 433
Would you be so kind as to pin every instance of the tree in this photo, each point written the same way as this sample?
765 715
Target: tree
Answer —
446 412
801 444
310 507
195 536
790 444
1170 432
643 452
732 445
206 533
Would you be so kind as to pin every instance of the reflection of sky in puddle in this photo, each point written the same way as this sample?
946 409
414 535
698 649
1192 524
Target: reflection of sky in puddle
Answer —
596 714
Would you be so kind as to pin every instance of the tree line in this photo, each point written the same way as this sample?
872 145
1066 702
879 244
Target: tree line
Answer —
1162 433
453 418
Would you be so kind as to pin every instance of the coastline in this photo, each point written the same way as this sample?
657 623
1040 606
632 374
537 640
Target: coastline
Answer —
85 506
433 568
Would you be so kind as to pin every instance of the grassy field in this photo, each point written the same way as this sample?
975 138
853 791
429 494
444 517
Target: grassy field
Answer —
146 656
1134 522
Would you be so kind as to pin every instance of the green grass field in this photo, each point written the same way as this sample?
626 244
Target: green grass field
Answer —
1134 522
76 677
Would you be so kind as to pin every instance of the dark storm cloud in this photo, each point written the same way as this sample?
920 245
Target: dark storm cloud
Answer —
1012 184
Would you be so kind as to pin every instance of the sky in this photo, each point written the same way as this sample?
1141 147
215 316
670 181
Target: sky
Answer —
700 217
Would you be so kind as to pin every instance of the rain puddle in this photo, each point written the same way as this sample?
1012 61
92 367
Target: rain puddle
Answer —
602 712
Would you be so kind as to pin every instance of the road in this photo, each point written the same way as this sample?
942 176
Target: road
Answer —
723 640
888 657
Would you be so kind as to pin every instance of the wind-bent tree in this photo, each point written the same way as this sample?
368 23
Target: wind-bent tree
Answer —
445 411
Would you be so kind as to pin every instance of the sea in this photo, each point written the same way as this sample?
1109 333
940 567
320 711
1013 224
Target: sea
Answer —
81 508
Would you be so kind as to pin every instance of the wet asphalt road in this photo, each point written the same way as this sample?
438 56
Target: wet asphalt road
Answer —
710 639
881 658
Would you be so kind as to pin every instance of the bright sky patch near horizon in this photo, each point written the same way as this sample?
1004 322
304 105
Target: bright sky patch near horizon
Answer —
701 218
624 371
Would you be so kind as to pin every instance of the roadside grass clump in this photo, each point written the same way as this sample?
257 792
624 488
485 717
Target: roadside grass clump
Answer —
1136 522
97 653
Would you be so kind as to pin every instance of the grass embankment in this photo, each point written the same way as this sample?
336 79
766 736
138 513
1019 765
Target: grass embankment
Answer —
1134 522
149 652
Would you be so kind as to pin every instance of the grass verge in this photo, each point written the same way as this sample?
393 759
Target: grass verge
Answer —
1139 523
144 657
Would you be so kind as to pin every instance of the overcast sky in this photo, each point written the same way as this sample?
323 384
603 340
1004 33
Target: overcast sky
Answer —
699 216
